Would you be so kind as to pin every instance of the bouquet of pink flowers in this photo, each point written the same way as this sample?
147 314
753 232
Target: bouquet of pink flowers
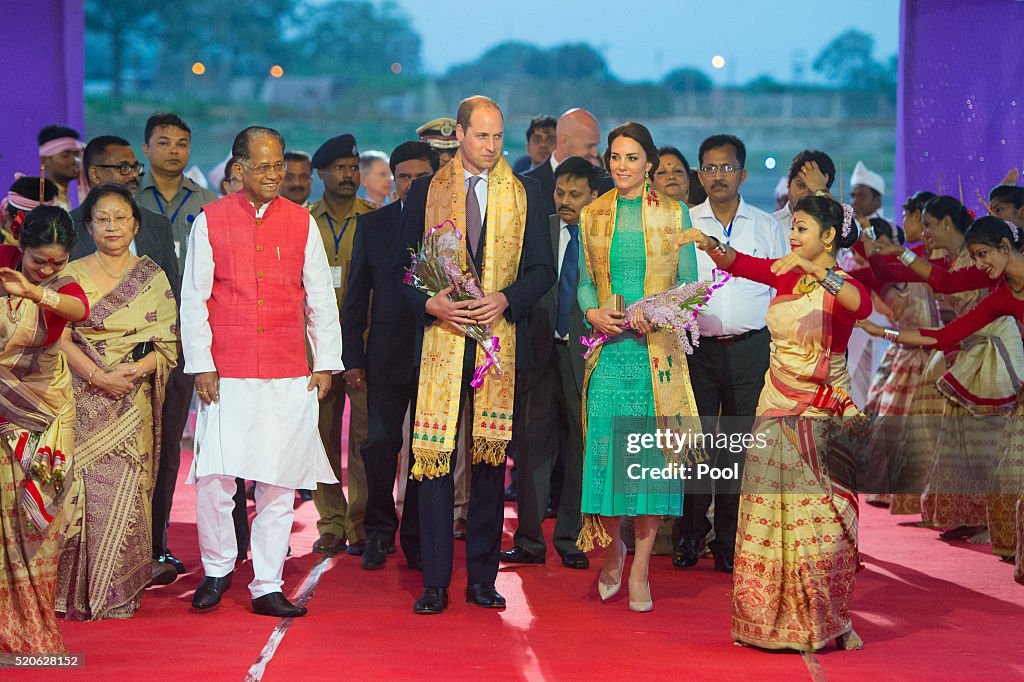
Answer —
438 266
675 310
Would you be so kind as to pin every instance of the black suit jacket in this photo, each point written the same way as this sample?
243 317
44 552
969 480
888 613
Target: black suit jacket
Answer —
543 317
154 239
546 177
387 354
536 265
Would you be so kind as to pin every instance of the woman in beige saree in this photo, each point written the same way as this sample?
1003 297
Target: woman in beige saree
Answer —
37 415
796 542
120 356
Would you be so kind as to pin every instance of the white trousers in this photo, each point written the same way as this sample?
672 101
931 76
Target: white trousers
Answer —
275 509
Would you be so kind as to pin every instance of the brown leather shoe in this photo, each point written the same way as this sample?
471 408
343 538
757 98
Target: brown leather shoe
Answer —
329 544
460 529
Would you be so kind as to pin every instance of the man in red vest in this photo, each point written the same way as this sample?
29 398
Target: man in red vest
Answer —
256 282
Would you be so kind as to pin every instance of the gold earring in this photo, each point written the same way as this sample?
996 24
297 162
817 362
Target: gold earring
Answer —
828 246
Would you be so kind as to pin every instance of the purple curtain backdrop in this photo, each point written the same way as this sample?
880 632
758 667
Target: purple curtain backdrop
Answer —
960 108
42 74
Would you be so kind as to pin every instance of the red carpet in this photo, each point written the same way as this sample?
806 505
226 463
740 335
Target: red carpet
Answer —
926 610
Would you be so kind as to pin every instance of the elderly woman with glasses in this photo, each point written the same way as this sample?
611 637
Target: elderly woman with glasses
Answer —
120 357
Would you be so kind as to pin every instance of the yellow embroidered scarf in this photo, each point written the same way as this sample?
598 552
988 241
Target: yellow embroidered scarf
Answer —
440 383
674 404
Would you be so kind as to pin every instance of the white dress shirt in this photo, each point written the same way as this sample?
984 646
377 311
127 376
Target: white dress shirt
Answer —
741 305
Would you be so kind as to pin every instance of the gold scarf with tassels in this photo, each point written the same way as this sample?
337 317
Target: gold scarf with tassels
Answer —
674 405
440 383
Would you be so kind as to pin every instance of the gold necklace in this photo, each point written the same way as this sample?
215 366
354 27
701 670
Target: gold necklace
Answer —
99 259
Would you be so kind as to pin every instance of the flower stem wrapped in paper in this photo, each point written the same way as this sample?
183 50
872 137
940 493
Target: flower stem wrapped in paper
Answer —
439 264
675 311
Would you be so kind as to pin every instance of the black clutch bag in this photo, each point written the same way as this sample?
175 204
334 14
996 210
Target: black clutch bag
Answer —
141 350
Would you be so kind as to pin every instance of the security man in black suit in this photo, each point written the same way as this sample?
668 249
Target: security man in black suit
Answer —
577 134
384 364
109 159
552 390
479 129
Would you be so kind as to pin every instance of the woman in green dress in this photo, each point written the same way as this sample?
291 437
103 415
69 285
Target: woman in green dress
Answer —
637 381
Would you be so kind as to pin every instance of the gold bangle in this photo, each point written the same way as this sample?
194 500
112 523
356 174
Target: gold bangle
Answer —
89 378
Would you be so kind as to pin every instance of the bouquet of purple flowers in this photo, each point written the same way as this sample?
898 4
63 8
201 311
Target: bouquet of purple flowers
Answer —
675 310
437 266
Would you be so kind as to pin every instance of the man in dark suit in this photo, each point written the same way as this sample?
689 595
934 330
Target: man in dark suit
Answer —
552 389
479 129
384 364
577 134
109 159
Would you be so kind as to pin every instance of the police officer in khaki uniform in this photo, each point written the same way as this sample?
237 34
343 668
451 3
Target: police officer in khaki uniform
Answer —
341 520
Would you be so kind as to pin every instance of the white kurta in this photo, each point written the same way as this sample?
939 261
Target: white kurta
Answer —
260 429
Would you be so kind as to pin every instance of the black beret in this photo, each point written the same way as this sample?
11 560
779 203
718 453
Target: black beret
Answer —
340 147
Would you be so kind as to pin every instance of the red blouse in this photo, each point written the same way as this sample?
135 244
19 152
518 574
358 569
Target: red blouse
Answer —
999 303
843 320
10 257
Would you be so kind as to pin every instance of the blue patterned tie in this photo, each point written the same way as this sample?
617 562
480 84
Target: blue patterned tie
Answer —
568 279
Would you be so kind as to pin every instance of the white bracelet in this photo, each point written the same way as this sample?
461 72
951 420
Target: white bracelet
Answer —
891 335
908 257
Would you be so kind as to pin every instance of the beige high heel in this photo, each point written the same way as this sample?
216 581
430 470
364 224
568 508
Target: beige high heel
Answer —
606 591
642 606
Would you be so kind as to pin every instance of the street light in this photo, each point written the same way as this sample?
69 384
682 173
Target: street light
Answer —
276 71
199 68
718 61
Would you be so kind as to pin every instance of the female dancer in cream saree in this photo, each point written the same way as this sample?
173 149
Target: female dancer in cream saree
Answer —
796 541
106 561
37 416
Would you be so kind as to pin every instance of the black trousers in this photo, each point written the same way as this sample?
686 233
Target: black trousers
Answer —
386 405
552 431
175 416
484 518
727 380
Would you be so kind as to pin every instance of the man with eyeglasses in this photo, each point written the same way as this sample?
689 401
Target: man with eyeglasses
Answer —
168 191
256 288
109 159
727 369
341 520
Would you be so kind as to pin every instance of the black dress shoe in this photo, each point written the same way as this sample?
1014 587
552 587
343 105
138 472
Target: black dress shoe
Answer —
277 605
168 558
434 600
305 495
578 561
484 594
374 555
510 493
723 564
518 555
356 548
391 548
685 554
209 592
